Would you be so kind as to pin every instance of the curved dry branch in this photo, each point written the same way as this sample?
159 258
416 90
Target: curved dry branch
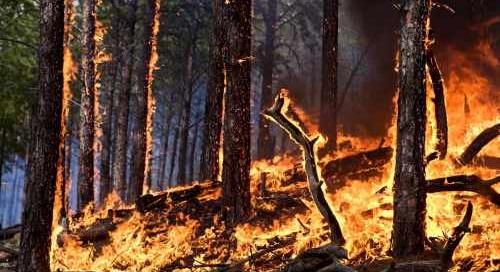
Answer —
470 183
276 113
458 233
439 105
478 143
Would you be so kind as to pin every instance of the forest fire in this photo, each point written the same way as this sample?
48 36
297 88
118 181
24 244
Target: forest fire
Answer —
151 148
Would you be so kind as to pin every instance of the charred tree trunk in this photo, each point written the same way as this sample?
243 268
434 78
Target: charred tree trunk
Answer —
236 162
186 118
214 100
141 171
46 135
266 141
87 131
408 233
121 126
328 112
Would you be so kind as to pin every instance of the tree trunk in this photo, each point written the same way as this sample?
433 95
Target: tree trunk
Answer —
215 94
87 131
236 169
164 152
186 118
2 155
121 126
192 153
328 115
266 141
173 158
408 234
141 171
106 184
46 135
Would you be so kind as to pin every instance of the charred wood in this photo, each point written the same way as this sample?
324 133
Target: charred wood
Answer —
276 114
471 183
325 259
478 143
439 105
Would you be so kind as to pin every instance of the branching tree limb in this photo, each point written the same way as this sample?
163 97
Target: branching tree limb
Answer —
478 143
276 113
470 183
453 241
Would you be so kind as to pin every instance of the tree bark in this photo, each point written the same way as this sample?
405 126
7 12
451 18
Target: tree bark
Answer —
164 152
408 233
328 112
186 118
87 130
266 141
121 126
46 135
236 162
141 171
215 94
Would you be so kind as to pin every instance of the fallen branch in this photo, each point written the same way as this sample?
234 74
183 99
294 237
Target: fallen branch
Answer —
9 232
439 105
453 241
325 259
470 183
276 114
478 143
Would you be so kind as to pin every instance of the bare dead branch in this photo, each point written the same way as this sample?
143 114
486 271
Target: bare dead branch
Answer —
478 143
439 105
470 183
458 233
276 113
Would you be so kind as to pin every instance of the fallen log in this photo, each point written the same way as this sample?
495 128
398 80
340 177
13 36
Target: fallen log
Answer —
149 202
9 232
485 161
347 166
276 113
439 105
485 137
471 183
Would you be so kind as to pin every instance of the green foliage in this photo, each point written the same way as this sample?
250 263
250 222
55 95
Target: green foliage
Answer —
18 66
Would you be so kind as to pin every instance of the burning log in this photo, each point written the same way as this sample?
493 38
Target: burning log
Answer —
478 143
439 105
347 166
149 202
9 232
276 114
470 183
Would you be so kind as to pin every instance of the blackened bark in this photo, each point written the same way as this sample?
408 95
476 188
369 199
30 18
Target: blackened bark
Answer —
122 115
87 131
329 82
408 233
46 135
481 140
236 162
266 141
214 100
186 118
439 105
141 170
